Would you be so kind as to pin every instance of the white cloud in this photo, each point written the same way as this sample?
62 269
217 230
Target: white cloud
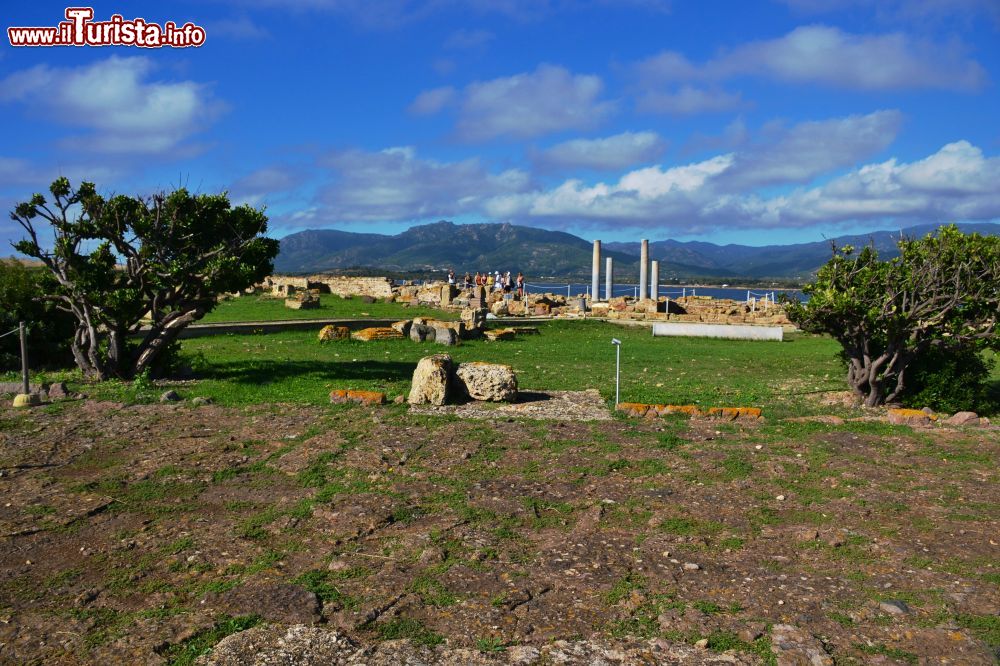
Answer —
614 152
829 56
394 184
547 100
434 100
799 153
264 185
113 98
956 183
689 100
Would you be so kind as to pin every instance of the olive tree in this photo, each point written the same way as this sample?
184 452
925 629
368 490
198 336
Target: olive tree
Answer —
942 292
134 272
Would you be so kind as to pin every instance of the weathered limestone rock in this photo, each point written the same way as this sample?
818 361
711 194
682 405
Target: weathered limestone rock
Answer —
58 391
487 381
341 396
330 333
445 335
516 308
500 334
911 417
474 320
402 326
733 413
376 333
448 292
958 419
430 380
303 301
542 309
422 332
499 308
793 646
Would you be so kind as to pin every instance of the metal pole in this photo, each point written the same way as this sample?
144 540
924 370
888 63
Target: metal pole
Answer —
24 358
618 372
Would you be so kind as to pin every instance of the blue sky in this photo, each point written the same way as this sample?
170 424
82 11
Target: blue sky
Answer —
748 122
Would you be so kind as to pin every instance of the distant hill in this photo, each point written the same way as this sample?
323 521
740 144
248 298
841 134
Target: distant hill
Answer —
543 253
786 261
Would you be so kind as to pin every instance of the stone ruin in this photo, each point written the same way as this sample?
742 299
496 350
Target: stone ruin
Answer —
302 300
477 304
438 380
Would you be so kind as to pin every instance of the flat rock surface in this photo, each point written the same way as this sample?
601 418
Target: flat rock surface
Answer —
310 646
554 405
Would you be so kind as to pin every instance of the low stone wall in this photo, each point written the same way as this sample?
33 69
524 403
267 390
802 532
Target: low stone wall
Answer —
339 285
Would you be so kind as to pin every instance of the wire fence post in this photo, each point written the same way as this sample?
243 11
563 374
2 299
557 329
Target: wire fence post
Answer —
24 359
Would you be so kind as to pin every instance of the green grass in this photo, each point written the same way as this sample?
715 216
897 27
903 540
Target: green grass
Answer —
183 654
294 367
266 308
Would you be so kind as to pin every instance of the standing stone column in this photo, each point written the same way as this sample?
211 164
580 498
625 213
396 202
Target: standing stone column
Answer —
643 266
654 280
609 289
595 274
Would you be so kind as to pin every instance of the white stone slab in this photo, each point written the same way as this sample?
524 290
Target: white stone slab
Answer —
728 331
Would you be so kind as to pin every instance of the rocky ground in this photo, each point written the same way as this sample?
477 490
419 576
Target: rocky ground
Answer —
348 534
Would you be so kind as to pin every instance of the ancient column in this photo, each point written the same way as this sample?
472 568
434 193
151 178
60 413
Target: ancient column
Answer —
654 280
643 266
595 273
609 287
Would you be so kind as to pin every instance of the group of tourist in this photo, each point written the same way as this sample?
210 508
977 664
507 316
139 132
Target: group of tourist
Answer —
495 281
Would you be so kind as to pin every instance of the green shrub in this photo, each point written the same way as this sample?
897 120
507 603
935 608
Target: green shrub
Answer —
950 381
49 329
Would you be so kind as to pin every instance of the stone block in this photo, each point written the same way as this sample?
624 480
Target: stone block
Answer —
330 333
341 396
632 408
500 334
376 333
487 381
911 417
445 335
431 380
422 332
402 326
733 413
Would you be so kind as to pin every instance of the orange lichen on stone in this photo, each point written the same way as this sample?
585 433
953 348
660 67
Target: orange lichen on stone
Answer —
690 410
912 417
377 333
732 413
632 408
341 396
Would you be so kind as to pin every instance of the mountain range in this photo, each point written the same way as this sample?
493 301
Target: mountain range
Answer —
543 253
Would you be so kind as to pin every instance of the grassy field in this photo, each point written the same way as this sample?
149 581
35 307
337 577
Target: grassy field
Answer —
295 367
264 308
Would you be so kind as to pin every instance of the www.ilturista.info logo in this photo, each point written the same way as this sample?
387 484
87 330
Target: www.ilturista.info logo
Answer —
79 29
